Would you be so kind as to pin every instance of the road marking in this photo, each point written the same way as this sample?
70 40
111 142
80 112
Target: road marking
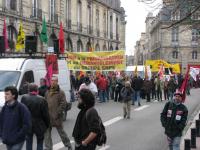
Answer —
105 147
1 144
111 121
140 108
60 145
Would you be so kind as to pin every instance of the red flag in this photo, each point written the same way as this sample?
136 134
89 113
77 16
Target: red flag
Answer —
184 85
61 39
161 71
49 74
5 34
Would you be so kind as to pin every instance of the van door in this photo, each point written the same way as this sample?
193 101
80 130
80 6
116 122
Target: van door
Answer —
27 78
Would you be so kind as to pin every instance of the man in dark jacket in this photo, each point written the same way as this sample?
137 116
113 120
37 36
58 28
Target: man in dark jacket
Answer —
15 120
137 84
40 116
87 124
173 119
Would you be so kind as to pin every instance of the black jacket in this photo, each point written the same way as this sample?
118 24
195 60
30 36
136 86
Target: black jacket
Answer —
39 112
126 93
87 121
137 83
173 119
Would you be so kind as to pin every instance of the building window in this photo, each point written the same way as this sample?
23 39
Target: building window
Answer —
11 4
68 15
194 55
175 15
196 15
79 12
69 45
175 34
79 46
52 10
89 16
104 24
97 22
195 35
117 28
111 27
97 48
175 54
68 9
12 37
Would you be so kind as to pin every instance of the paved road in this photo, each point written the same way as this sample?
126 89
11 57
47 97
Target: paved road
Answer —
142 132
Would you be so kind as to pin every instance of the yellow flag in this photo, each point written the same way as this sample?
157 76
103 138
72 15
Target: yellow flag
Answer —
20 45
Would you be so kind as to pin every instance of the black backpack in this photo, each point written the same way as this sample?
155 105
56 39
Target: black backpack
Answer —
101 137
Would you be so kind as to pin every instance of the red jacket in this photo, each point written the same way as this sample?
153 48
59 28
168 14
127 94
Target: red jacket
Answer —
102 83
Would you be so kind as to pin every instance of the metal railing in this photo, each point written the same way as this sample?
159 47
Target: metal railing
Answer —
36 13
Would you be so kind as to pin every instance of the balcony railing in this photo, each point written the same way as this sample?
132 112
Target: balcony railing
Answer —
54 18
69 24
79 27
36 13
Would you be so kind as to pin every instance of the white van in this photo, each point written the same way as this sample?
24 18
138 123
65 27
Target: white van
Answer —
17 71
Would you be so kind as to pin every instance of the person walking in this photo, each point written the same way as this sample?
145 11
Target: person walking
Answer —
173 119
87 124
40 116
56 103
15 120
126 94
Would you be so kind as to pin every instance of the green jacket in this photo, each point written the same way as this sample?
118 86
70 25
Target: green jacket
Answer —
174 119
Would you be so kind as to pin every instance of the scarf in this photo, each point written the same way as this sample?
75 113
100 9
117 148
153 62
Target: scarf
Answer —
53 90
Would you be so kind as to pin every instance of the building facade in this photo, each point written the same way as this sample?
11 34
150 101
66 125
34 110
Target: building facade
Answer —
89 25
171 39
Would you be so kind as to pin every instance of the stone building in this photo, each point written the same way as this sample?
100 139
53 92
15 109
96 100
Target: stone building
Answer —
171 41
88 24
140 50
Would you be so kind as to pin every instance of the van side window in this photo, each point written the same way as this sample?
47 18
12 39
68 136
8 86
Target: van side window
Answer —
27 78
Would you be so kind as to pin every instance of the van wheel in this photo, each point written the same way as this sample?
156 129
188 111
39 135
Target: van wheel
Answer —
64 115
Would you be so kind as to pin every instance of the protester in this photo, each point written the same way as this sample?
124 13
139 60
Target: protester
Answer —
43 87
88 84
57 103
40 116
126 94
173 119
87 124
15 120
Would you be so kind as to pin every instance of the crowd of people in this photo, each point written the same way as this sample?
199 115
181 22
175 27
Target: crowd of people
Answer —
42 108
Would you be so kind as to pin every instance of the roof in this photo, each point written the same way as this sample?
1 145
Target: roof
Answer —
11 64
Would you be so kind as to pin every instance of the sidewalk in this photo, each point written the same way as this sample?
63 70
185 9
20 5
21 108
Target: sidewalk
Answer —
187 131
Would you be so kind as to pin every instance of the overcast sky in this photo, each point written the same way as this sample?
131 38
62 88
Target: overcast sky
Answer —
136 14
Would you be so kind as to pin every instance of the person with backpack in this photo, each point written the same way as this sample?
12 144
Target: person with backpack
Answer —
88 127
15 120
173 119
126 94
38 107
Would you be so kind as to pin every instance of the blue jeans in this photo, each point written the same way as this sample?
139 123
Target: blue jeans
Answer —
136 97
15 147
102 95
174 144
29 142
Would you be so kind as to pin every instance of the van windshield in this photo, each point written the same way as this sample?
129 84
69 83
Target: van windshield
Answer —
8 78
